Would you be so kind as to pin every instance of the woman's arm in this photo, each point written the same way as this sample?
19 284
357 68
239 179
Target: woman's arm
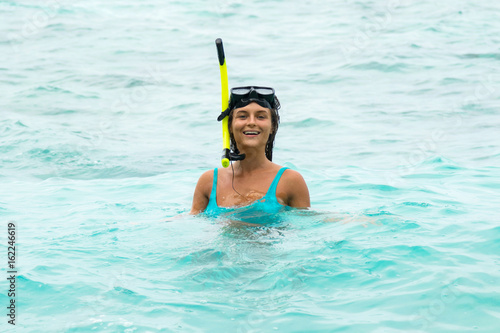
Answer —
202 192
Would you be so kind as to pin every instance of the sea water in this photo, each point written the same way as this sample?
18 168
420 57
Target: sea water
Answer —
390 111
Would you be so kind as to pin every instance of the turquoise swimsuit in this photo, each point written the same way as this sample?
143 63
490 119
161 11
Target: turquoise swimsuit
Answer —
259 211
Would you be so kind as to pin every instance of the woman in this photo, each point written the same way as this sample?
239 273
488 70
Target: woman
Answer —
254 183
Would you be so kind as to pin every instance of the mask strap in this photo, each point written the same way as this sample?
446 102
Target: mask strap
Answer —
224 114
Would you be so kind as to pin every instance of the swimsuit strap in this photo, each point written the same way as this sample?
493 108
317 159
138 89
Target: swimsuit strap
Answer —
212 208
272 189
213 194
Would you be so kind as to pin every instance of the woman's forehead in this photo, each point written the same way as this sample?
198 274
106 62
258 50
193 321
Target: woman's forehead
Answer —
252 107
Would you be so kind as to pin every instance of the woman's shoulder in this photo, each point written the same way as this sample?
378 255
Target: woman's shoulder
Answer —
295 188
292 175
209 174
206 179
290 178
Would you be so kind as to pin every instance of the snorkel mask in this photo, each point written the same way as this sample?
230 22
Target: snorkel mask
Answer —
242 96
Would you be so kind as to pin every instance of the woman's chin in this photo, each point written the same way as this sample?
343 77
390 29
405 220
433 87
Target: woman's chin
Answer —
250 145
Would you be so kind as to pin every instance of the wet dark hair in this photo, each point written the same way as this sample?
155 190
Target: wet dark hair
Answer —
275 121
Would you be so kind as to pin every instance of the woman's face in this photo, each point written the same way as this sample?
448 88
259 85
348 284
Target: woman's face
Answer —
251 126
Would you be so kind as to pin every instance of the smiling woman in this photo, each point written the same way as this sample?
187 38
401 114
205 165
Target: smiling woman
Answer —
254 183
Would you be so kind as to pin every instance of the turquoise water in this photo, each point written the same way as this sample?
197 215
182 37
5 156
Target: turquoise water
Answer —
390 112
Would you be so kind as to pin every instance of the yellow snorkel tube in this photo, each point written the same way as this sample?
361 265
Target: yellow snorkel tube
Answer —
227 154
225 102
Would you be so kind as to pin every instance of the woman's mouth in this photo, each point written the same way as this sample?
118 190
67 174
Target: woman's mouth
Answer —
251 133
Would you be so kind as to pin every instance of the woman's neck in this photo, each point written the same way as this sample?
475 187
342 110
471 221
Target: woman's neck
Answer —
253 161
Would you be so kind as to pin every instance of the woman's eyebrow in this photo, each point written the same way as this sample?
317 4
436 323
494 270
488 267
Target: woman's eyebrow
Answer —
246 112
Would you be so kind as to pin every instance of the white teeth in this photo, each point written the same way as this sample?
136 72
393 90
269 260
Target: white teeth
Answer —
251 133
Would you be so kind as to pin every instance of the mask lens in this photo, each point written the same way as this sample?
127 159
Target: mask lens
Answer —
240 91
264 91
